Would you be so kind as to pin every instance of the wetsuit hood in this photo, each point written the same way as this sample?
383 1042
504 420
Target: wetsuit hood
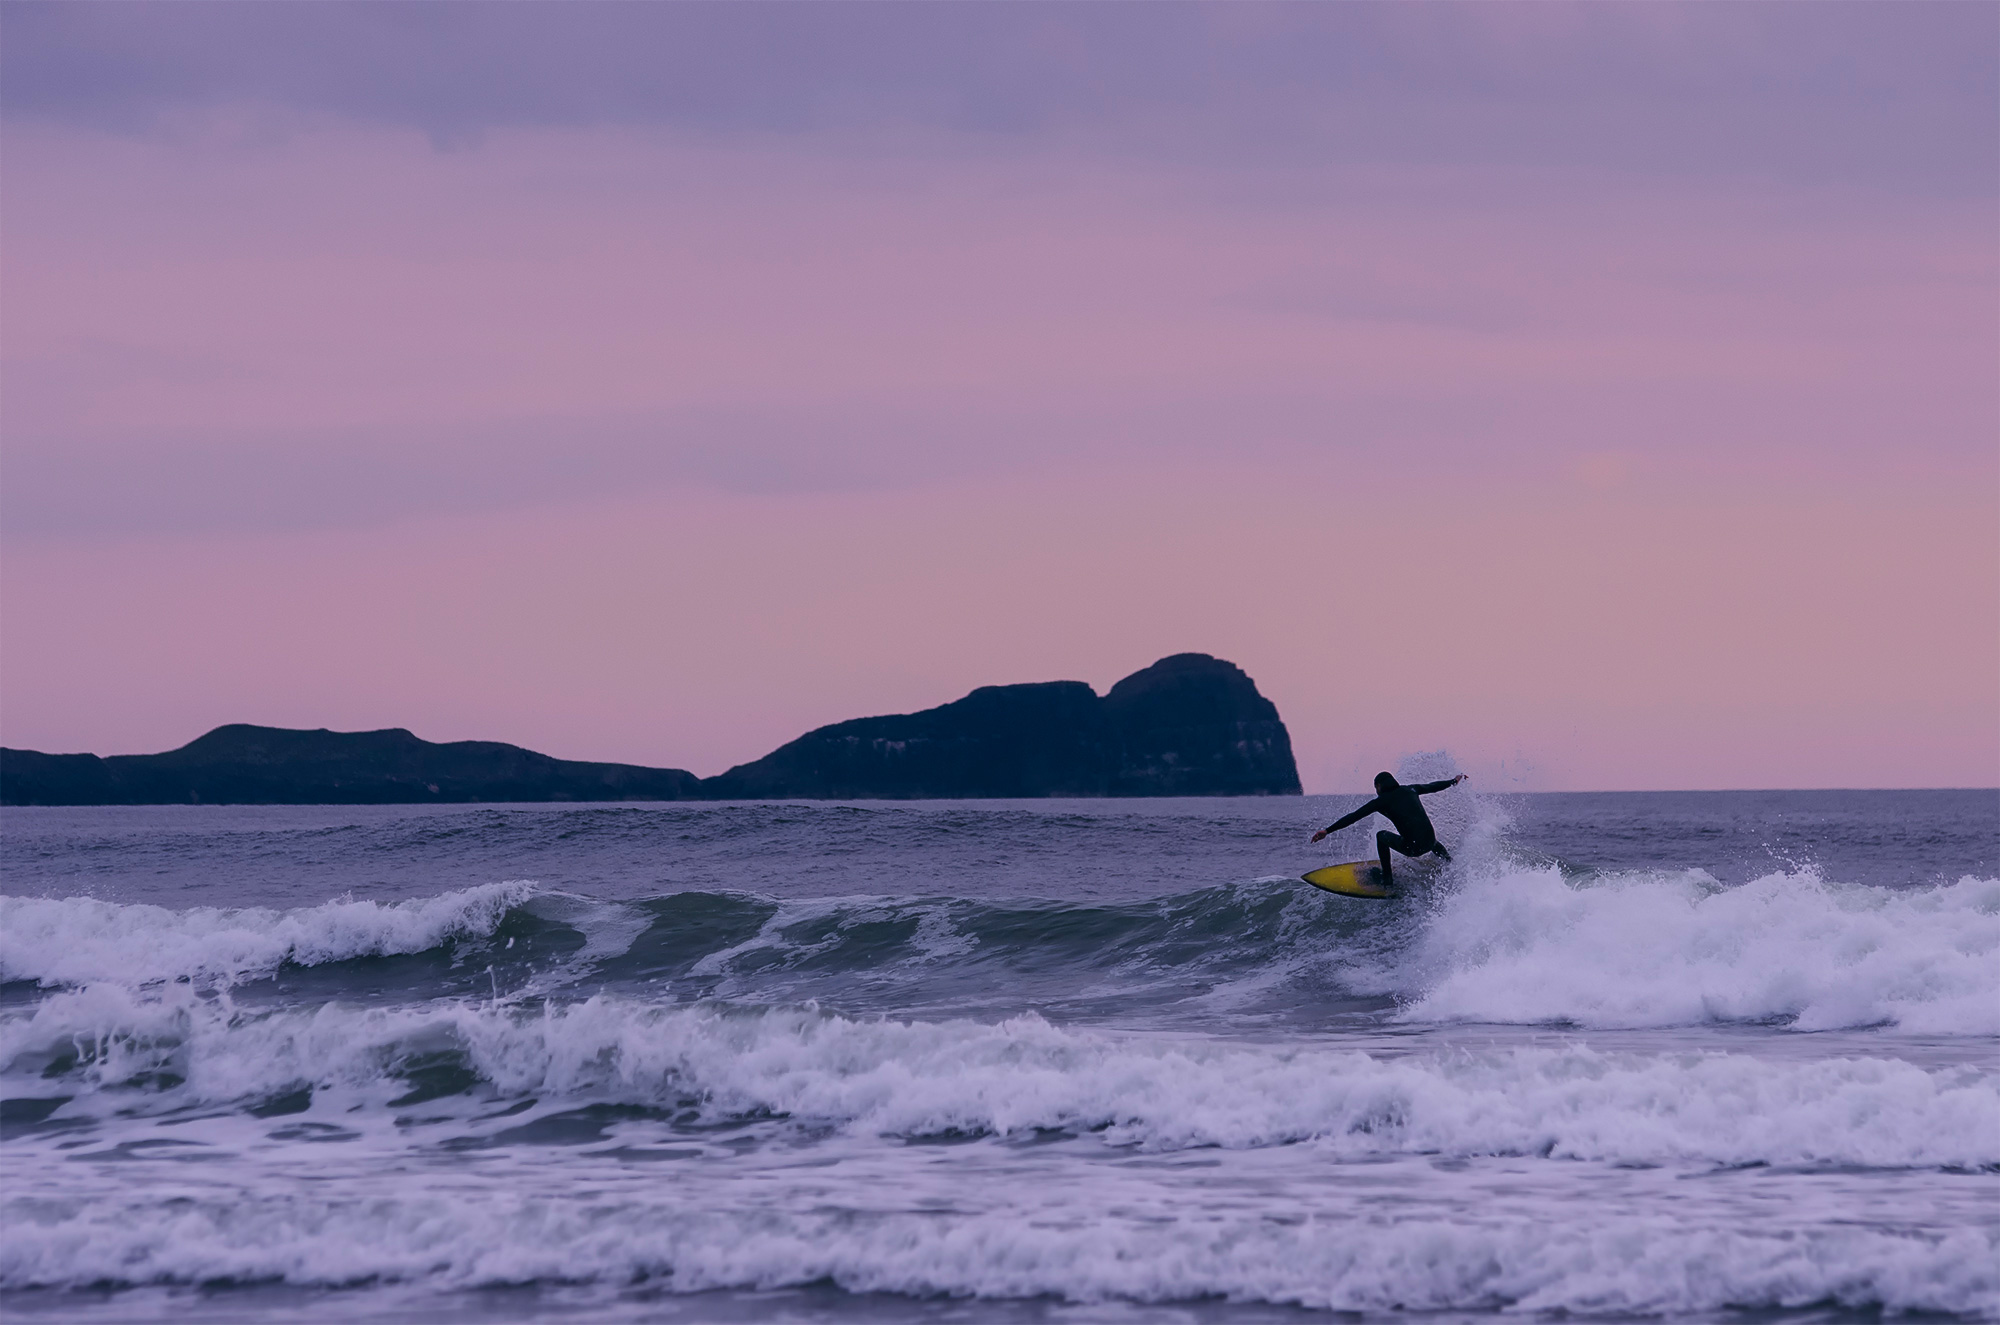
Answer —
1384 784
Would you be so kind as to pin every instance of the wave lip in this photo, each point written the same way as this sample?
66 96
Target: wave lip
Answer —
80 940
1653 949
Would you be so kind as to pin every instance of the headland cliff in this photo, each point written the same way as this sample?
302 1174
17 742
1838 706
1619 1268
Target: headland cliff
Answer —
1189 725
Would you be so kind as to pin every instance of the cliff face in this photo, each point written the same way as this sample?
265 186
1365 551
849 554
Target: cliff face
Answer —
1189 725
1192 725
245 765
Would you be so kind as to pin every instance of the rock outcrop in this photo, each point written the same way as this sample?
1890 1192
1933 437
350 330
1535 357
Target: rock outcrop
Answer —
245 765
1189 725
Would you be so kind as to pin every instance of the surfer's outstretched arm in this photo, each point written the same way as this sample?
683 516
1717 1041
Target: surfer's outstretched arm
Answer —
1351 817
1426 788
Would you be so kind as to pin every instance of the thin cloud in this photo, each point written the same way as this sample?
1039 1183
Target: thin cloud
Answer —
1894 94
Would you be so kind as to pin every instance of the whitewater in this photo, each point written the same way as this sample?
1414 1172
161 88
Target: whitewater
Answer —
1695 1056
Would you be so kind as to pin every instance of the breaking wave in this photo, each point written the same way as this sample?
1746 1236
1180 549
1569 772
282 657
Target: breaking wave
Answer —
1519 945
710 1066
1667 950
80 940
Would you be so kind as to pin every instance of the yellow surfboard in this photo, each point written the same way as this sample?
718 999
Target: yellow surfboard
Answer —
1356 878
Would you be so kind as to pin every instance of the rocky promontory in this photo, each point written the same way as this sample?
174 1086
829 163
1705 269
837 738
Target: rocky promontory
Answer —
1189 725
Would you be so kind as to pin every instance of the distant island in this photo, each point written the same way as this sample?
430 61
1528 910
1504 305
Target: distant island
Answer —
1189 725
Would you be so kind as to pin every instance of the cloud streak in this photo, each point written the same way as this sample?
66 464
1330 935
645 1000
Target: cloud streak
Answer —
1867 92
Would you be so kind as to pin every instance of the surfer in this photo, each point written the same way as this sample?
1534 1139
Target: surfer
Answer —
1397 803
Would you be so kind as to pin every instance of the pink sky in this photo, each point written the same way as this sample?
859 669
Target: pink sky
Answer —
630 440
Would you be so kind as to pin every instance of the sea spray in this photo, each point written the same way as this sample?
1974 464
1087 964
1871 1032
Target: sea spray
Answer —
1655 948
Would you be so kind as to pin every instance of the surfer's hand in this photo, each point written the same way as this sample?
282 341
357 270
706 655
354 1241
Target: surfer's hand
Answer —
1321 833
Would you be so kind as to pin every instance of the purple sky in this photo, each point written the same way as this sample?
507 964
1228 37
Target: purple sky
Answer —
1605 393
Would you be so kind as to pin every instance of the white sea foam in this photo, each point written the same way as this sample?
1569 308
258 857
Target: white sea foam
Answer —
1654 949
1060 1245
1025 1075
79 940
1499 944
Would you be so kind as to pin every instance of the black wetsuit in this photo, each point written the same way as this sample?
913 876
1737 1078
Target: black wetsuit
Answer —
1414 835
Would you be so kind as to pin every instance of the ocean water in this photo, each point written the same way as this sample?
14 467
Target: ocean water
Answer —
1692 1057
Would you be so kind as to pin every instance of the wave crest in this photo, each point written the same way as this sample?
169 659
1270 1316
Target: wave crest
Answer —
80 940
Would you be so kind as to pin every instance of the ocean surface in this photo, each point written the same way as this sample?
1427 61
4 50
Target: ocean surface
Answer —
1692 1057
